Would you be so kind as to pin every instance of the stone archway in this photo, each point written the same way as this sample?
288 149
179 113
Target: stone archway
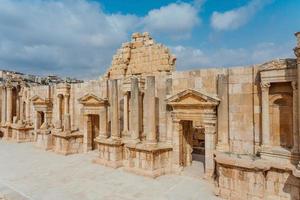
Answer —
201 110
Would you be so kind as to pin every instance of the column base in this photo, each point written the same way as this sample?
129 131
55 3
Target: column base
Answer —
148 160
22 133
110 152
67 143
44 139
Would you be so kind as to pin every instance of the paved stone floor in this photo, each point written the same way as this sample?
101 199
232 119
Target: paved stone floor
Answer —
27 172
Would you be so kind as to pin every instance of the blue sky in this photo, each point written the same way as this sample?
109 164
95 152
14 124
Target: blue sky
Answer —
79 37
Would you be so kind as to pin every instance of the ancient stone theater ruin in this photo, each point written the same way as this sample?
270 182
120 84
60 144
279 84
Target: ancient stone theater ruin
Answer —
146 117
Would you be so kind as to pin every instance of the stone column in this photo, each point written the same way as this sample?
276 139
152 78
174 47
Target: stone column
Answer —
297 53
18 107
9 104
21 109
103 123
210 140
176 144
67 117
135 110
223 123
59 112
3 109
266 139
295 128
150 113
115 124
125 116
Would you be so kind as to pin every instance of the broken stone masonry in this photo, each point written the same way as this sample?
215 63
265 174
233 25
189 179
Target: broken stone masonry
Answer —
151 120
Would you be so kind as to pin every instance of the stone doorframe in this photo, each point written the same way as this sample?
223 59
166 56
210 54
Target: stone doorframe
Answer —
200 108
42 105
93 105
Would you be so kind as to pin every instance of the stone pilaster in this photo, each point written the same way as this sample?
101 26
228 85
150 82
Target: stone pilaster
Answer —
266 139
151 114
3 106
297 53
115 123
9 104
223 123
21 108
135 110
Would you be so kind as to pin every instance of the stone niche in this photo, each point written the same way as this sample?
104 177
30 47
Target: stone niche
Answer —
280 138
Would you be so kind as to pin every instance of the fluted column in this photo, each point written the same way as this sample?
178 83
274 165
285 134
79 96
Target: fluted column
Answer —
103 123
135 110
115 125
9 104
3 109
266 139
151 114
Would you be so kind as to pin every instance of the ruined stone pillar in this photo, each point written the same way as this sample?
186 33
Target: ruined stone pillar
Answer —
223 123
265 114
115 123
135 110
3 109
103 123
176 144
125 115
151 114
9 104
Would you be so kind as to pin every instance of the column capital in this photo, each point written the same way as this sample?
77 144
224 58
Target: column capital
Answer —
265 85
297 52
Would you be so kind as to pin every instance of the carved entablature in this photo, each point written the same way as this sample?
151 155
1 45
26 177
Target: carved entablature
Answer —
192 99
141 56
92 104
281 70
41 104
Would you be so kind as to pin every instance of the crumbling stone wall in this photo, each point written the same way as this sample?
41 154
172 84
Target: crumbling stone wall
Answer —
141 55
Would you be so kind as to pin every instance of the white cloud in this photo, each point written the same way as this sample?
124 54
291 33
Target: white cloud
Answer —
176 19
76 37
191 58
238 17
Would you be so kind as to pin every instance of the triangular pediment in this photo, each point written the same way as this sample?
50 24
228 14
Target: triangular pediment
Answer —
37 99
192 97
91 99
